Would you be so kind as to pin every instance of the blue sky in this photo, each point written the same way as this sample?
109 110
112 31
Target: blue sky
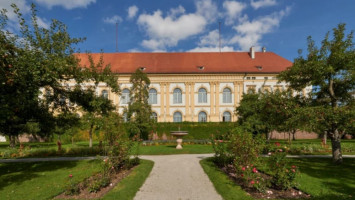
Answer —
282 26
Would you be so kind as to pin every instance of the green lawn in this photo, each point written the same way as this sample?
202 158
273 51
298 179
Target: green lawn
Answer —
45 180
319 177
312 147
170 149
41 180
128 187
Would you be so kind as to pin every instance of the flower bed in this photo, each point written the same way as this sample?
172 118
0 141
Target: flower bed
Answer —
237 154
93 187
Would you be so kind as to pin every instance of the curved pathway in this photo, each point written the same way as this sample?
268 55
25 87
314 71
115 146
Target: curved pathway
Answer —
179 177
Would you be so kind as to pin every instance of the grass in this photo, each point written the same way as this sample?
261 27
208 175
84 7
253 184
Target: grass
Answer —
224 186
319 178
314 146
128 187
325 181
45 180
48 149
170 149
41 180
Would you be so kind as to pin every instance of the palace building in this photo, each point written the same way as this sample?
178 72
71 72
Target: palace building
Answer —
197 87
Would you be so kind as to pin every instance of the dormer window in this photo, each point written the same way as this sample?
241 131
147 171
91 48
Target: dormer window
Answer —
142 68
200 67
259 67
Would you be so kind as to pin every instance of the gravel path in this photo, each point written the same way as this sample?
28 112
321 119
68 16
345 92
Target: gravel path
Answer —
179 177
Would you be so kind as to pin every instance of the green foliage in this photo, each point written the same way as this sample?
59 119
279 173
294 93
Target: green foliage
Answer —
197 130
139 111
225 186
36 65
283 175
99 182
330 71
72 187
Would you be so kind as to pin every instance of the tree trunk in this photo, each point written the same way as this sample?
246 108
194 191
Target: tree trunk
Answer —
12 141
325 138
90 135
293 135
336 147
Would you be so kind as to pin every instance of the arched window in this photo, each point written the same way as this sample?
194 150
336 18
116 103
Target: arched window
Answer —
125 96
177 96
104 94
227 95
227 116
154 116
202 95
202 117
152 96
177 117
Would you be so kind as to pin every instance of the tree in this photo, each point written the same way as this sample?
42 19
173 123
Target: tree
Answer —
330 69
96 106
139 111
282 111
35 65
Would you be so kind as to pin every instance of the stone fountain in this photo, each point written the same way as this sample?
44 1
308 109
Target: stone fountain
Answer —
179 134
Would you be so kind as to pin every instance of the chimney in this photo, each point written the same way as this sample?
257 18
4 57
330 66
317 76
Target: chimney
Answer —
252 52
264 49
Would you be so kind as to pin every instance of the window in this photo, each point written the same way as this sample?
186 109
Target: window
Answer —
226 116
177 96
104 94
248 78
202 95
152 96
125 96
62 100
253 78
154 116
202 117
266 78
125 117
227 95
177 117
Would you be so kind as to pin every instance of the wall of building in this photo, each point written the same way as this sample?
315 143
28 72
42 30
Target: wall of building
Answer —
189 84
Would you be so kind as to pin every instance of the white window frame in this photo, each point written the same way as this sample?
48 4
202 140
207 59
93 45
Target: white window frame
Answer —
227 95
125 96
202 95
177 96
152 96
177 116
202 116
227 118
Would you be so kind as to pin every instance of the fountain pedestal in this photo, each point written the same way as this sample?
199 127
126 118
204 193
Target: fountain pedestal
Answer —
178 135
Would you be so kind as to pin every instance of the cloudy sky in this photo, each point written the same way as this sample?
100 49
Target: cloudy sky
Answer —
282 26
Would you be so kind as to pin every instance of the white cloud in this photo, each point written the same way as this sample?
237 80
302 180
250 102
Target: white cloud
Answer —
168 31
132 11
207 9
113 20
67 4
262 3
249 33
43 23
174 12
212 38
212 49
21 4
234 10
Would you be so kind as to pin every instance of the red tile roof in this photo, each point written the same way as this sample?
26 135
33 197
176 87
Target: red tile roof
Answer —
178 63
